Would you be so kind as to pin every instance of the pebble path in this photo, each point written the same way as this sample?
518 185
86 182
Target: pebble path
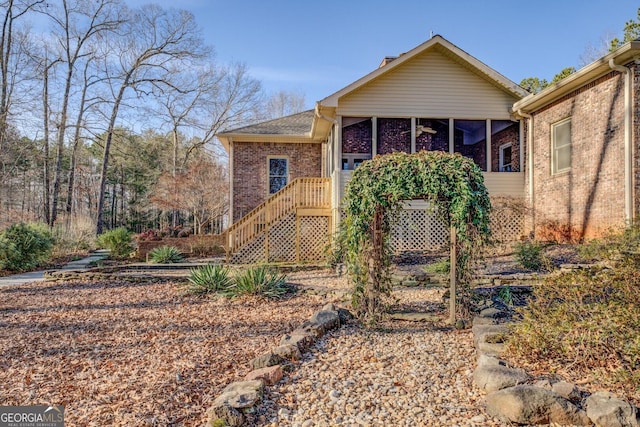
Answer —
406 374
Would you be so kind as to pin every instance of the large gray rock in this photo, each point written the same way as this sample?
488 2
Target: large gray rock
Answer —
326 320
301 337
266 360
490 349
567 390
527 404
241 394
222 411
480 331
288 352
606 410
496 377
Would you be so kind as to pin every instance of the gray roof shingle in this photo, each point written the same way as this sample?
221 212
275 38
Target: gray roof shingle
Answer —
295 124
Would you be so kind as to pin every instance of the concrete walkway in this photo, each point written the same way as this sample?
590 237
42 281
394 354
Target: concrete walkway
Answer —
37 276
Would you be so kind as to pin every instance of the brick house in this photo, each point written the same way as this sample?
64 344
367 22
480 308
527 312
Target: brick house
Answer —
288 176
582 134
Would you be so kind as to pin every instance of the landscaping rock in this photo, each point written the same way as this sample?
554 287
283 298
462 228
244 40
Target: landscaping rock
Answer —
265 360
480 320
481 332
344 315
300 338
288 352
493 378
492 313
490 349
271 374
527 404
241 394
485 360
326 320
568 391
223 411
606 410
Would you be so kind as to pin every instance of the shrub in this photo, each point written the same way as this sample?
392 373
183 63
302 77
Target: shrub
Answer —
258 281
442 266
616 248
25 246
149 236
118 241
165 255
587 320
209 278
530 255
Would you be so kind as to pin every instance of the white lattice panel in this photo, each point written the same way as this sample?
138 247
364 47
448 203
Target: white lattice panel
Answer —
418 230
507 221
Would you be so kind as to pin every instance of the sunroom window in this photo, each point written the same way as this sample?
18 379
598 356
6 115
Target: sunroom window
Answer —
278 173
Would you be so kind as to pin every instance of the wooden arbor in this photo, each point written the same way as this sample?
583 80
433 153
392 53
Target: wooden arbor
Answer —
375 194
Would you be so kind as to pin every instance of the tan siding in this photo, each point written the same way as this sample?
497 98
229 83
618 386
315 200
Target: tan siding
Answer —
497 183
505 183
430 85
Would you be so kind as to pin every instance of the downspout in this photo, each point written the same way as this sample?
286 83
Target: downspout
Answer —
628 155
529 152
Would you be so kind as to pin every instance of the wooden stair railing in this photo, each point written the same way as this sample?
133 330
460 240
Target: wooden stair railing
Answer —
299 193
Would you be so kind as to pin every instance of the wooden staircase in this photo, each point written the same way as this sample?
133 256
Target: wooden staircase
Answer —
302 197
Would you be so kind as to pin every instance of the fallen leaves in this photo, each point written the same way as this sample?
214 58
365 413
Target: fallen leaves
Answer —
123 353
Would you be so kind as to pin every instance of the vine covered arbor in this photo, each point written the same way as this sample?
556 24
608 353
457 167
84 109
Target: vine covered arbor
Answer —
374 196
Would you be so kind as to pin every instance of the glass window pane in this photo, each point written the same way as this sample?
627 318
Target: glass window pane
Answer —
563 158
561 134
277 167
276 183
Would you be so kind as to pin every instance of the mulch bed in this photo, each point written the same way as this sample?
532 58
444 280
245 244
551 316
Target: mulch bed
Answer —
122 353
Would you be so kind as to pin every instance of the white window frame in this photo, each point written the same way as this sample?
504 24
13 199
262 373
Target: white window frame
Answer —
555 148
501 149
269 176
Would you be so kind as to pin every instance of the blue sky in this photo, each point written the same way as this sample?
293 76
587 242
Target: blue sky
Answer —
318 47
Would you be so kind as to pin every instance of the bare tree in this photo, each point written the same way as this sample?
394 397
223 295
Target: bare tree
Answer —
155 42
12 43
77 22
284 103
230 97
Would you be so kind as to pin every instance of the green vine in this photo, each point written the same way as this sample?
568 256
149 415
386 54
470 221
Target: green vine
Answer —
373 198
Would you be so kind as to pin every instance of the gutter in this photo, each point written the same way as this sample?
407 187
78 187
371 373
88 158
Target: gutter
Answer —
628 148
529 152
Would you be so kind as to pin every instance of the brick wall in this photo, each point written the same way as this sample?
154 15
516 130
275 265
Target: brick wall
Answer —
433 142
356 138
589 198
250 170
394 135
512 135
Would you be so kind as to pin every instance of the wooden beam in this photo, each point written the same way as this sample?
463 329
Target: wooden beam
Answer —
452 278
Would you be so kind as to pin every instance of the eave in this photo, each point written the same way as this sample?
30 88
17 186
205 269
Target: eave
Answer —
622 56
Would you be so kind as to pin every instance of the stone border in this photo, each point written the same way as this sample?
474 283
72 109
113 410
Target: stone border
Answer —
240 396
514 397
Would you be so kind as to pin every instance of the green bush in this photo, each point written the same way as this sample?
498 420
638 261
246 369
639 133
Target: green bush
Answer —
118 242
208 279
24 246
530 255
442 266
165 255
258 281
587 319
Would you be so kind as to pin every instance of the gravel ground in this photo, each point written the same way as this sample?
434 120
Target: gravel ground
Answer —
404 374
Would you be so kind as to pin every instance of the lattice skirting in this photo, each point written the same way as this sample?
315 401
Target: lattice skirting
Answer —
288 241
305 239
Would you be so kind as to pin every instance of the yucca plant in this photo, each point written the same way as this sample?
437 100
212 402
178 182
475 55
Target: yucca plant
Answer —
118 241
208 279
258 281
165 255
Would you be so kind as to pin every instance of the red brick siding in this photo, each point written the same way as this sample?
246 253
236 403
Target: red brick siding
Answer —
510 134
356 138
433 142
394 135
250 170
589 198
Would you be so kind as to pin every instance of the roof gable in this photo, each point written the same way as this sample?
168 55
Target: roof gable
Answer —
443 46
